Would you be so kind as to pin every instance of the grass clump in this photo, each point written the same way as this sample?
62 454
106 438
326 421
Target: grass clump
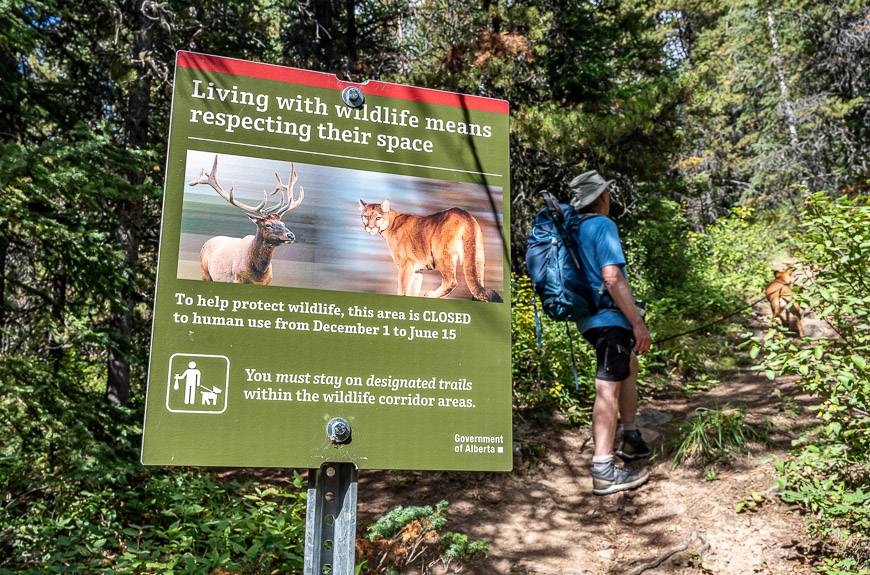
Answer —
713 436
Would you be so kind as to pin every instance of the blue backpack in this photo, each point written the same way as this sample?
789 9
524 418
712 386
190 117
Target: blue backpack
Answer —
554 264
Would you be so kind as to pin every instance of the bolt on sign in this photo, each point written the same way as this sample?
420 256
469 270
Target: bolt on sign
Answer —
330 252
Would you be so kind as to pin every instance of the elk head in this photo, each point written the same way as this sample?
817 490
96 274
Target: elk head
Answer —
270 228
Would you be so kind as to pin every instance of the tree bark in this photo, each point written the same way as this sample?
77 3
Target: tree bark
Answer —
58 308
11 121
790 117
129 211
4 248
350 7
324 54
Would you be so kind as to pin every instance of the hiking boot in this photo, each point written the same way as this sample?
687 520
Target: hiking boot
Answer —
633 446
611 479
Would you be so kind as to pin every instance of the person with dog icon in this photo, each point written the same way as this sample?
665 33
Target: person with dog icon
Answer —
191 377
617 332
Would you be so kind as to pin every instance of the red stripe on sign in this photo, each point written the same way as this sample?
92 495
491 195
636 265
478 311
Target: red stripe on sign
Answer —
322 80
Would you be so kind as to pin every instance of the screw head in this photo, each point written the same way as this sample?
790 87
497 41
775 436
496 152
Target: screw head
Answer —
353 97
338 431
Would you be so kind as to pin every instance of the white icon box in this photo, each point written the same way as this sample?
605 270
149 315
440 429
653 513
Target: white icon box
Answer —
204 385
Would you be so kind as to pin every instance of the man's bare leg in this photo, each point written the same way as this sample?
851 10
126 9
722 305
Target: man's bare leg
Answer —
604 416
632 445
606 477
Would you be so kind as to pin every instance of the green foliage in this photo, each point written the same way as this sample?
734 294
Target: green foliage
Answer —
828 472
720 269
544 379
459 546
742 247
79 501
777 99
69 268
391 522
713 436
661 255
415 535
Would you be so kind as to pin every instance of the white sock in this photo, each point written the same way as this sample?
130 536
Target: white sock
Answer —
602 459
629 427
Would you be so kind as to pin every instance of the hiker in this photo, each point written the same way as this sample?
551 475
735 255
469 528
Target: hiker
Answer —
617 332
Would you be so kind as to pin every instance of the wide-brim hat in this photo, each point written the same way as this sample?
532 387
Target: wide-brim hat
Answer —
586 188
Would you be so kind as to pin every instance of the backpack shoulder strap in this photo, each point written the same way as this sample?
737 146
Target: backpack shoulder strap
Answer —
558 218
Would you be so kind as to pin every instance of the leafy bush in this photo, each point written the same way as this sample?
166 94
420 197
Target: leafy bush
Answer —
659 253
77 500
713 436
828 474
544 379
415 535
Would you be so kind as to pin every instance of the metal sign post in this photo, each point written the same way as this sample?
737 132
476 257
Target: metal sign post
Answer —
330 519
330 522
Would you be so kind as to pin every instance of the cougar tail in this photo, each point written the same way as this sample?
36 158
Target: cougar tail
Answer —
473 262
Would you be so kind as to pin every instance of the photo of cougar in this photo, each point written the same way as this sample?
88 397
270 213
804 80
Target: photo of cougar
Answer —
439 241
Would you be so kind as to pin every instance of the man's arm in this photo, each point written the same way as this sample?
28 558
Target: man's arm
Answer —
620 291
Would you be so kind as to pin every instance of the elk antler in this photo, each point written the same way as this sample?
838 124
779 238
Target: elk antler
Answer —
211 180
288 201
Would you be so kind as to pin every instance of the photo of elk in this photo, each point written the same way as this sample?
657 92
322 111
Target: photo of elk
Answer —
288 223
248 259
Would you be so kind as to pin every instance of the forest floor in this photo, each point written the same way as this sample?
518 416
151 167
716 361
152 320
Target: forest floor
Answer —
542 519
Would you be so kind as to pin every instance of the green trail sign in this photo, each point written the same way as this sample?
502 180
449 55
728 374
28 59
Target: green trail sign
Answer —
329 254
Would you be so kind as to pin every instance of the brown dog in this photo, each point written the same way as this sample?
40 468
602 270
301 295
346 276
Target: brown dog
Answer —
781 299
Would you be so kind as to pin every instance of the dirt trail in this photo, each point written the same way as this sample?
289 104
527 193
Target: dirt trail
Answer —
542 519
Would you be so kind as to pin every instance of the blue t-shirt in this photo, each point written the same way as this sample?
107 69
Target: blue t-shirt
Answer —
599 246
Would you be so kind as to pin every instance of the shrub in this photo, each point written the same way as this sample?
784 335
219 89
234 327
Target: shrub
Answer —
545 379
415 535
828 473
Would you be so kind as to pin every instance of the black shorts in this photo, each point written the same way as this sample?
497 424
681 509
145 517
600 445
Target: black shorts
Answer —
613 347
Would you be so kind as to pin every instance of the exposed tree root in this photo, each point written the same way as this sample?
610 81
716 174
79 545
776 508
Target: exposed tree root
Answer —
672 551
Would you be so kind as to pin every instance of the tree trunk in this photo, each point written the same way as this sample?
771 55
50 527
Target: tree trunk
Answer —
4 248
58 308
11 121
324 53
790 117
495 19
129 211
350 7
